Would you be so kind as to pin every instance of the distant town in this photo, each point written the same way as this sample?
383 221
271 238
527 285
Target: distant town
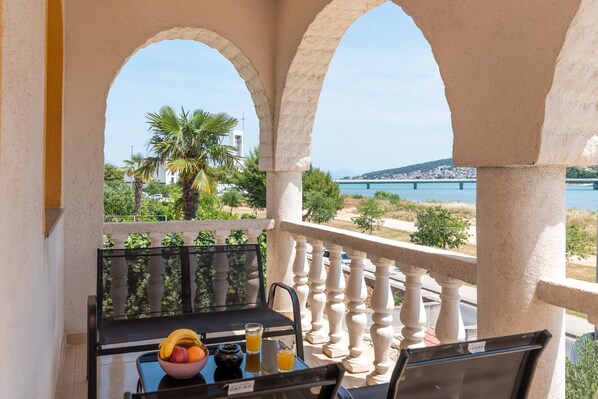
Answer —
444 169
441 169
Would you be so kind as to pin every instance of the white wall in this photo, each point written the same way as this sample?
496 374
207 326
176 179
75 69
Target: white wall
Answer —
31 266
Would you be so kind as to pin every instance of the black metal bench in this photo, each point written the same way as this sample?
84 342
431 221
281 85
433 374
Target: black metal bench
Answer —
144 294
494 368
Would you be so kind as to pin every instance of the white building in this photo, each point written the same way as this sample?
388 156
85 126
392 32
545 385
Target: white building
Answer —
161 175
236 140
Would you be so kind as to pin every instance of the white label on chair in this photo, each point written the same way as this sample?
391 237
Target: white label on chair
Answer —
476 347
240 387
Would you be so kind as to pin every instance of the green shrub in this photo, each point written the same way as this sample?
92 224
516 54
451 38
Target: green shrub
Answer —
579 242
437 227
370 216
582 376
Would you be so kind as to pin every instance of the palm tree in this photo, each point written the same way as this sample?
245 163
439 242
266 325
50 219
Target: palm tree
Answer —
190 144
132 169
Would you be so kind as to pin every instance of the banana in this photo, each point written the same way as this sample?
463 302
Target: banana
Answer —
182 336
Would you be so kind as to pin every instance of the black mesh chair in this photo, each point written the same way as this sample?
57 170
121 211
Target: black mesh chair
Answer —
494 368
315 383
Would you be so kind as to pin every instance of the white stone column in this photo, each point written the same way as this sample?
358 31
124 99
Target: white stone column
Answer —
382 331
155 287
221 268
449 326
520 239
283 202
300 271
335 305
413 313
356 318
118 273
189 240
251 267
317 297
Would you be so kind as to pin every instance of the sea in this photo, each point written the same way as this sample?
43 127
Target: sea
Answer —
582 197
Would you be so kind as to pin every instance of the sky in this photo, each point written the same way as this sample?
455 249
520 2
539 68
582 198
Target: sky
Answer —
382 105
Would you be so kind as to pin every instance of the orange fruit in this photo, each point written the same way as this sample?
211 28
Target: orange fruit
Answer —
195 354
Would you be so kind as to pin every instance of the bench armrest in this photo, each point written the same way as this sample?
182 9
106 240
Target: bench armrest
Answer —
292 294
296 312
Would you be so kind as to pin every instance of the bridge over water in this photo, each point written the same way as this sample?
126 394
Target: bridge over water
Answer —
460 182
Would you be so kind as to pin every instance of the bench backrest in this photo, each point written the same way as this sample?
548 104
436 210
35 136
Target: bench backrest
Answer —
173 281
314 383
494 368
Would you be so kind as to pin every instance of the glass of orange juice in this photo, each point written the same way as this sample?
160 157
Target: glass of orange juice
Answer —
285 356
253 337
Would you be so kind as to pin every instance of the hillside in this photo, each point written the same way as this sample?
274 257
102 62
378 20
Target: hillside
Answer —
444 169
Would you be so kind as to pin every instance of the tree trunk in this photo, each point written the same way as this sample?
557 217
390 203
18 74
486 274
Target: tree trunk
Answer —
138 188
190 199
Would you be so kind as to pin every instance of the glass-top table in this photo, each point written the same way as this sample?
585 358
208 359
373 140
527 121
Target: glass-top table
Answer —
153 378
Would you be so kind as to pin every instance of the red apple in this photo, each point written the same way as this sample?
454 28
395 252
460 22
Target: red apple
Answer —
179 355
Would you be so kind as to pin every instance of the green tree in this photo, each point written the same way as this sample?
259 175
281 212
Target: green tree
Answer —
436 227
315 180
582 376
320 208
155 187
133 169
113 174
190 144
232 198
118 201
579 242
370 216
251 181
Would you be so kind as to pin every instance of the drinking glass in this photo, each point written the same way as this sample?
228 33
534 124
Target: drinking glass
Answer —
253 337
285 356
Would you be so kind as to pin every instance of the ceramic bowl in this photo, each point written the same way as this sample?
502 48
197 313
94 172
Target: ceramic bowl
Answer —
182 371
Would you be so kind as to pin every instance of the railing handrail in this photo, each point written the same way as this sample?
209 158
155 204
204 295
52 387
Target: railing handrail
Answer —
568 293
449 263
121 228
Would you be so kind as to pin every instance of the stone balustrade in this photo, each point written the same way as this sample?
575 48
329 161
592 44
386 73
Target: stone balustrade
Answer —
326 293
189 230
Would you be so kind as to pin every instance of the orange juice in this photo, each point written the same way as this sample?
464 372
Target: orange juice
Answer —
286 359
252 363
253 343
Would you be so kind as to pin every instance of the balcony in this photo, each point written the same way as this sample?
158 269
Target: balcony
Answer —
333 300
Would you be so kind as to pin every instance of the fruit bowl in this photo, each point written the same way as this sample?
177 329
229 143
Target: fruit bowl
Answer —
182 371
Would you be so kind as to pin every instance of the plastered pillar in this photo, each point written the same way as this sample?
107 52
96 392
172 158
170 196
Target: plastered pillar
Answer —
520 239
283 202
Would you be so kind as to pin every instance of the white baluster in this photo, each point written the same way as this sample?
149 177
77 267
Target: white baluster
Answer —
300 271
449 326
335 306
413 314
317 297
356 318
251 266
118 275
155 287
189 240
221 268
382 330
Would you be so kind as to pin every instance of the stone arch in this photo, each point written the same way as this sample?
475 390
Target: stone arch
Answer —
299 100
231 52
569 135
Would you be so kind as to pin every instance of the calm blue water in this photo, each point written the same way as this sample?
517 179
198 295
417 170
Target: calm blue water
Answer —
580 197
